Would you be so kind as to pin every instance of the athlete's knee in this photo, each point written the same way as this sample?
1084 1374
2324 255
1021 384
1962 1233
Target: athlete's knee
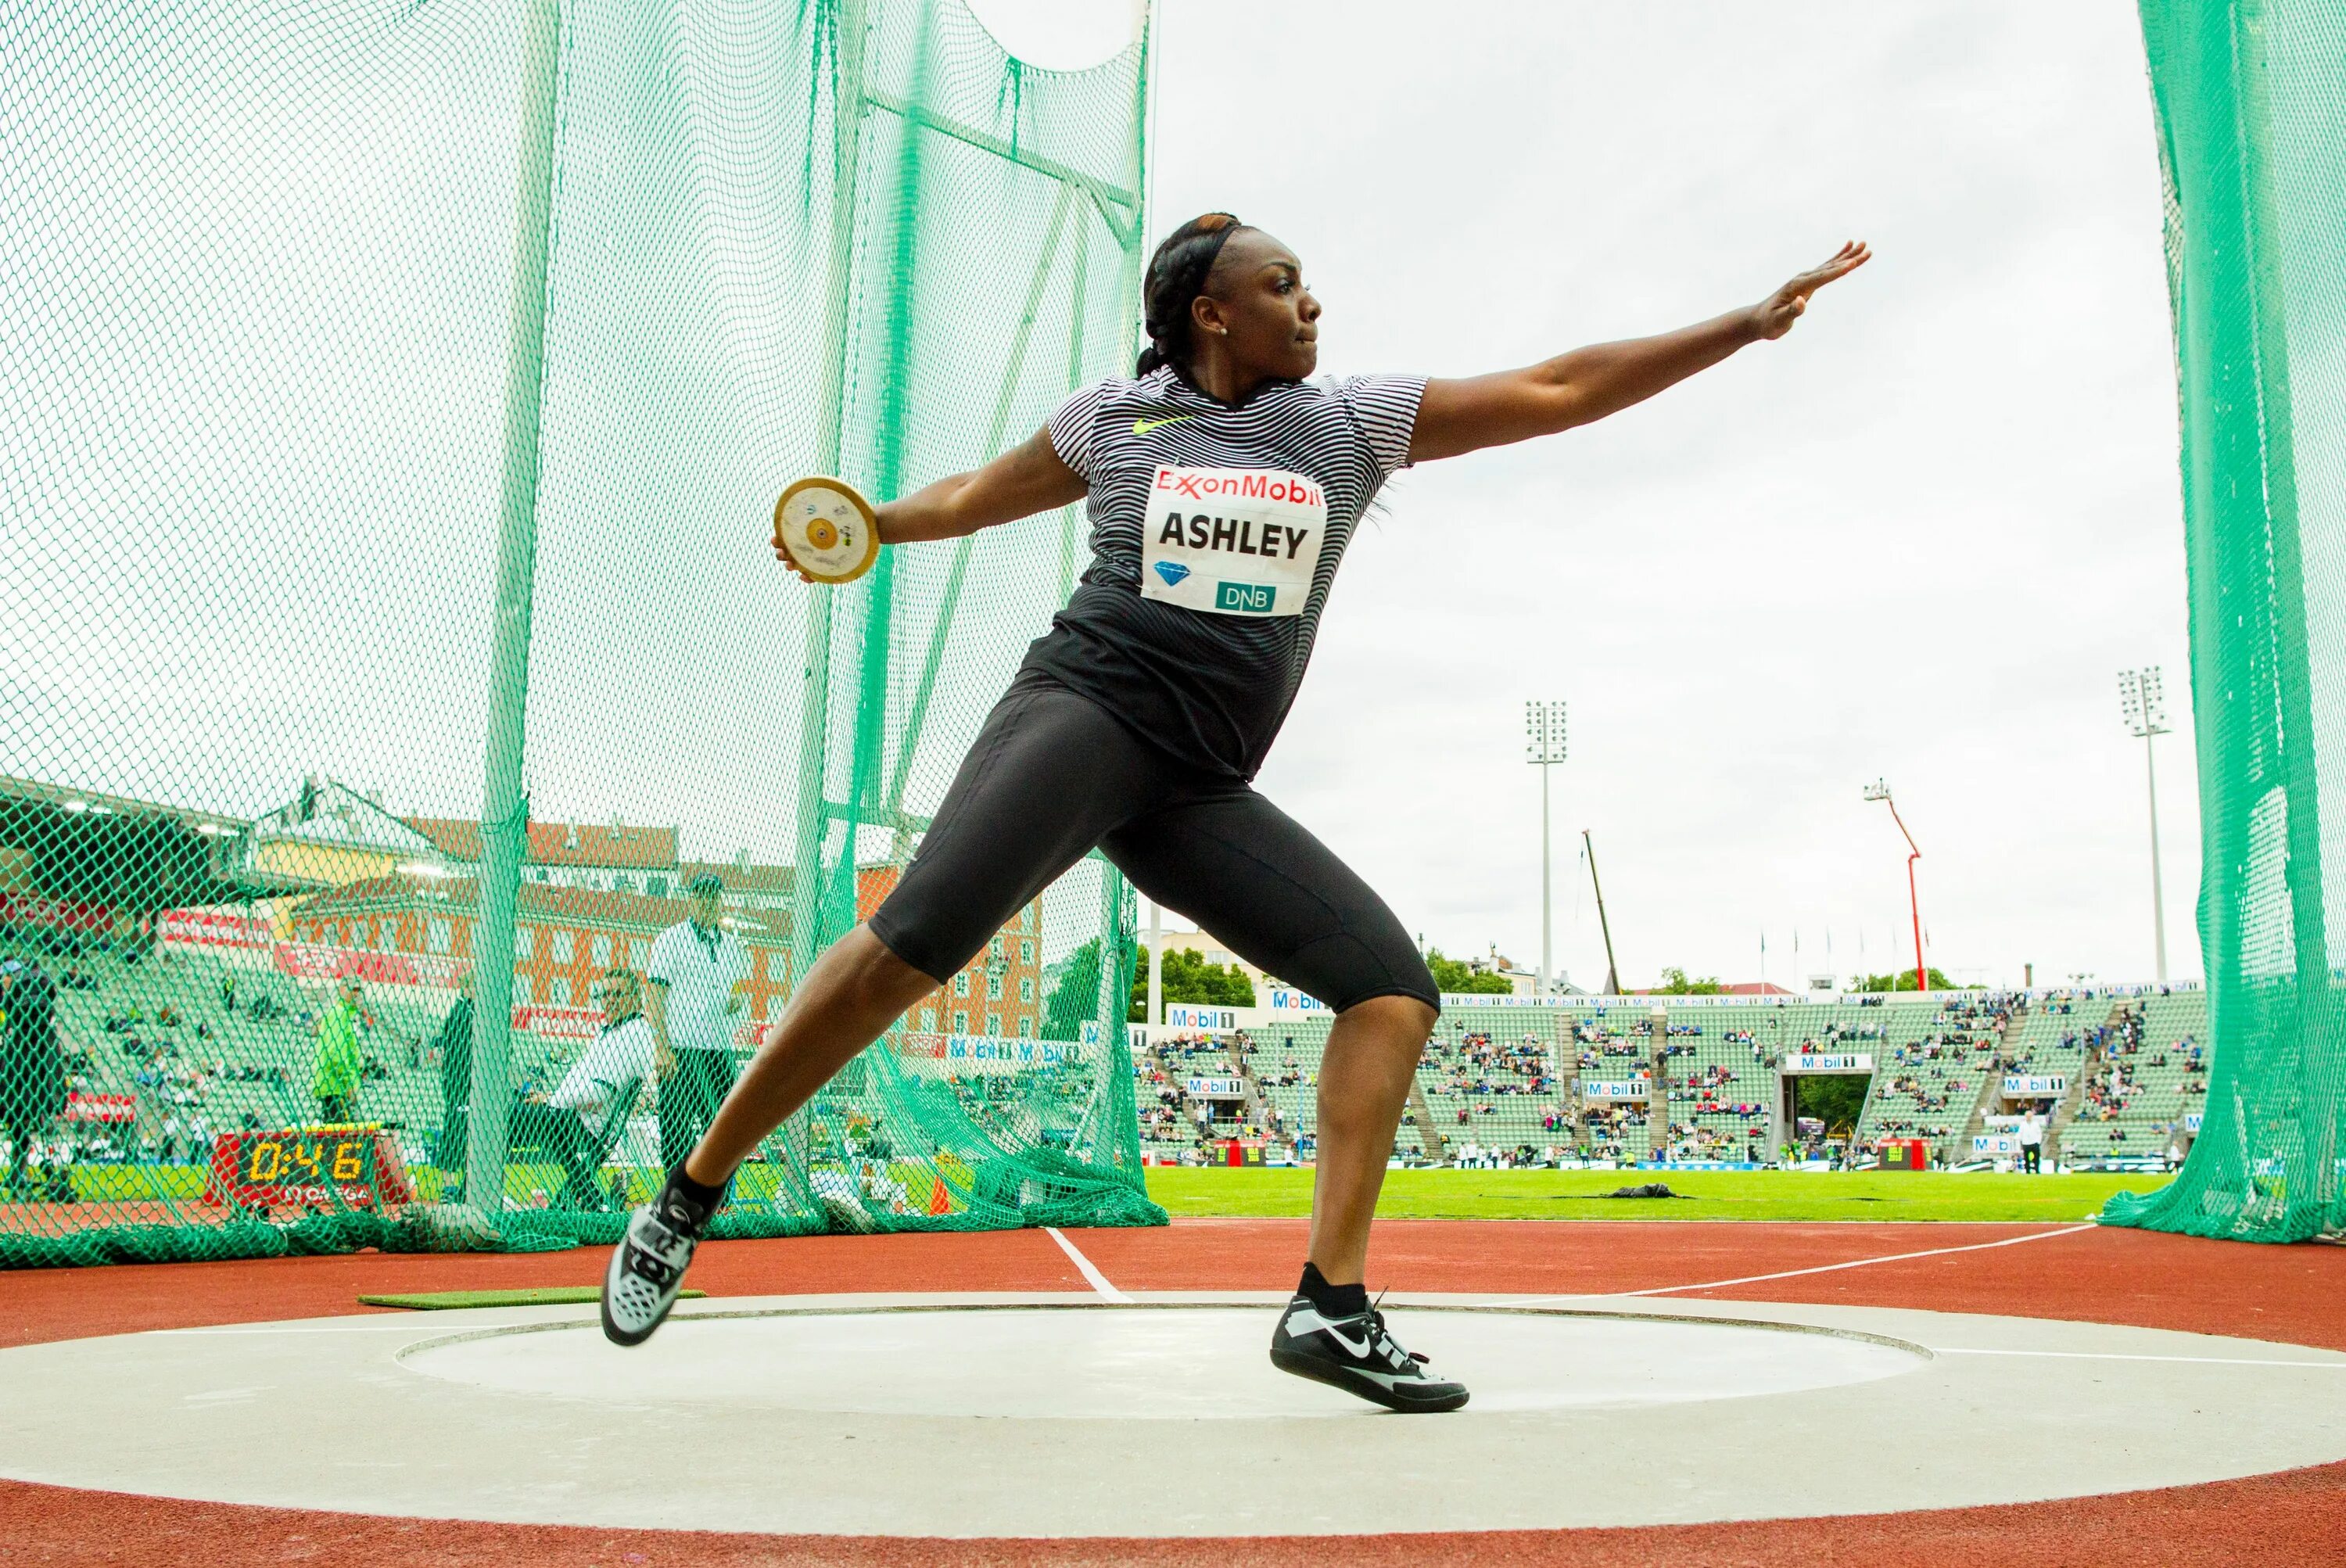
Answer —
860 974
876 976
1397 1016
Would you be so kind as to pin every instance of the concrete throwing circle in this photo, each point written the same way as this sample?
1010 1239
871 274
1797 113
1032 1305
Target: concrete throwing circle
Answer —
1064 1417
1079 1363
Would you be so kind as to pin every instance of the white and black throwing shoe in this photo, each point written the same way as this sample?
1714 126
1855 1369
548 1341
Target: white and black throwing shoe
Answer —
647 1266
1358 1356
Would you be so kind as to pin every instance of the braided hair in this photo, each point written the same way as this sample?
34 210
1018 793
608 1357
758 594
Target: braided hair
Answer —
1176 276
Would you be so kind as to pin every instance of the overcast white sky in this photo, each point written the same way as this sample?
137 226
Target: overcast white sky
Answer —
1914 540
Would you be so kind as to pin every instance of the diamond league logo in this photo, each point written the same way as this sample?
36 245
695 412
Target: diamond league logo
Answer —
1172 572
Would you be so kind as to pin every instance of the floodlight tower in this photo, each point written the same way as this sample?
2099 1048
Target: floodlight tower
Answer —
1544 748
1880 790
2144 705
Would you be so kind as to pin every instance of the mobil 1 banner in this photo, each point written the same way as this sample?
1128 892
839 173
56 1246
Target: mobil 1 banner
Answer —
1823 1062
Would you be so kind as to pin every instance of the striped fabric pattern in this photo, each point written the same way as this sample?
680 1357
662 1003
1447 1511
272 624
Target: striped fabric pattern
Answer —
1225 680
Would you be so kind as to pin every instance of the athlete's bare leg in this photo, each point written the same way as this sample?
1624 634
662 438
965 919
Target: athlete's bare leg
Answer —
1364 1075
851 993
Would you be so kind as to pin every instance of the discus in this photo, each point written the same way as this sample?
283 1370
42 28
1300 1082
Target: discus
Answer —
826 528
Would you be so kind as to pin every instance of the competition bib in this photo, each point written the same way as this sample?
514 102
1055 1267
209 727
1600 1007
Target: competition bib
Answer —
1232 541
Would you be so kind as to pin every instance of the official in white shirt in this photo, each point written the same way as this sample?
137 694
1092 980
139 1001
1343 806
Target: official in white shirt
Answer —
2031 1133
699 975
568 1124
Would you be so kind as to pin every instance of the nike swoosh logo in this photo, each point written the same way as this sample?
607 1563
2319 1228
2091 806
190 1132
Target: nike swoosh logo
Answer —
1308 1321
1143 426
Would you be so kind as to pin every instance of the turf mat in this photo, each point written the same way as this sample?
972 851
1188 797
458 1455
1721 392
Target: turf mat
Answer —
535 1295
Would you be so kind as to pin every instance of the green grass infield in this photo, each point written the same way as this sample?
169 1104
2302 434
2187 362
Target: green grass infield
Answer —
1704 1195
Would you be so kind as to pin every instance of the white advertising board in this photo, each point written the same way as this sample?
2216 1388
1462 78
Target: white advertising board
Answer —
1191 1015
1216 1088
1613 1089
2035 1085
1820 1062
965 1056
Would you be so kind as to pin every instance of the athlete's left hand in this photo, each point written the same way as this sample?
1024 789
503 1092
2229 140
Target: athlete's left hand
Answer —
1774 316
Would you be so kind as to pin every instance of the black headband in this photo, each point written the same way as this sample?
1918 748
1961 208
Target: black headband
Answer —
1193 283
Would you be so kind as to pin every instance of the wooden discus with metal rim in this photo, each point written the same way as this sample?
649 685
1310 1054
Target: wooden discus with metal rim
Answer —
827 529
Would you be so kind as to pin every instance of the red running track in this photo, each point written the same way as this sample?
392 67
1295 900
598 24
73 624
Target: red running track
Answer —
2290 1294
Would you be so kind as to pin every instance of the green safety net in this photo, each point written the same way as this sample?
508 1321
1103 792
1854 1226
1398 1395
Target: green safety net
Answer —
2251 101
397 396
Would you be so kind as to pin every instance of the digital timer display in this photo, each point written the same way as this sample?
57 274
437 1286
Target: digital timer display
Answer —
326 1167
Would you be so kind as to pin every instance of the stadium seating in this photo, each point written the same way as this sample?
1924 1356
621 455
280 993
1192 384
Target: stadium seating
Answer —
1513 1073
2144 1082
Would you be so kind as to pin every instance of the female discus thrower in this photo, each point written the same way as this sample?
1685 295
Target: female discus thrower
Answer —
1222 490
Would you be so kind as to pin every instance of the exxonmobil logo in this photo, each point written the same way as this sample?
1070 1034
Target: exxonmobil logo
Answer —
1250 484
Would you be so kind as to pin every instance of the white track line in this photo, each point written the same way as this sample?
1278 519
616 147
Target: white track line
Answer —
1819 1268
1089 1270
2120 1356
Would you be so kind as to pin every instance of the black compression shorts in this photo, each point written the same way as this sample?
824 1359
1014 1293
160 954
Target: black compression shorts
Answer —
1052 775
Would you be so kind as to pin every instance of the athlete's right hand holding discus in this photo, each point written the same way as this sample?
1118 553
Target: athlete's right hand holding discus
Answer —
1223 488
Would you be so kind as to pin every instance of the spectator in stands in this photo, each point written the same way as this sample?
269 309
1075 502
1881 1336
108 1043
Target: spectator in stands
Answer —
455 1047
568 1124
228 990
340 1060
31 1066
700 972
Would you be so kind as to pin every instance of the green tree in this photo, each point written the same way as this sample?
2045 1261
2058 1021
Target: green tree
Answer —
1451 974
1905 981
1075 998
1186 977
1834 1098
1676 983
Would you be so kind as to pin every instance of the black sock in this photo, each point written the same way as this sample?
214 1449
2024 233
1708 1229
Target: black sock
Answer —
1332 1300
699 1194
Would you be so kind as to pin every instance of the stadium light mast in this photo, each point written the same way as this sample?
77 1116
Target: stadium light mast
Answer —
1880 790
1544 748
2144 705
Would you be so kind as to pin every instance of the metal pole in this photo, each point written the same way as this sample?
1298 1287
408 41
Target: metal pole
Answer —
814 707
504 804
1658 1088
1914 902
1547 924
1612 969
1156 964
2157 890
1878 790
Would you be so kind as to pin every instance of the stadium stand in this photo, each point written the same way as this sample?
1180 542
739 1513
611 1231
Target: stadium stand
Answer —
1942 1060
2146 1072
168 1046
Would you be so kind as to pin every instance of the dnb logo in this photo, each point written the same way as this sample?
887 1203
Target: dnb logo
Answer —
1250 598
1171 571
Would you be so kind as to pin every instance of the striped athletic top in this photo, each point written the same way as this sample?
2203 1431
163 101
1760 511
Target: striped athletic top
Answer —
1216 530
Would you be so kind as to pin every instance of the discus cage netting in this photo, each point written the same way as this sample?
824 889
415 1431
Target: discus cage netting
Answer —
2250 98
396 397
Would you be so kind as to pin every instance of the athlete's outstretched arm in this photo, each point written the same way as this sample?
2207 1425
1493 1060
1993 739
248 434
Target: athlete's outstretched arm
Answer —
1586 384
